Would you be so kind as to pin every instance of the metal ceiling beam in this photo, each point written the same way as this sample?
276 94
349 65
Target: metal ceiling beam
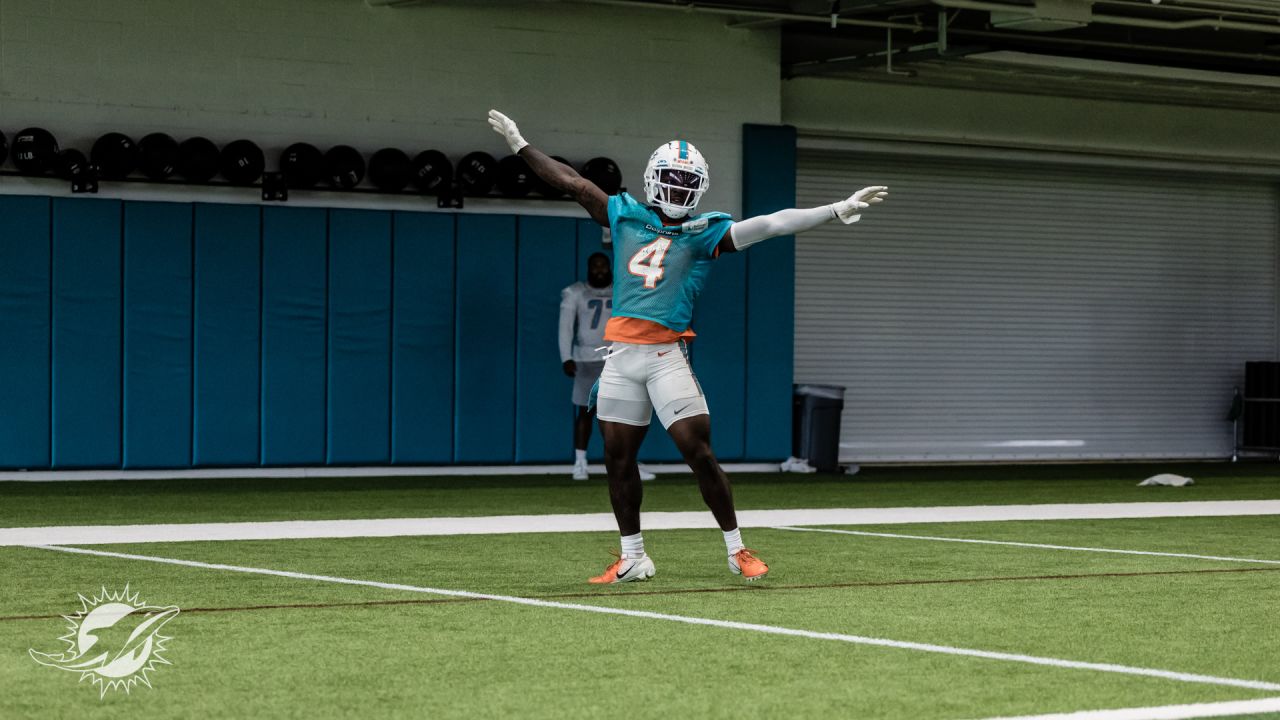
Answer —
1214 23
854 62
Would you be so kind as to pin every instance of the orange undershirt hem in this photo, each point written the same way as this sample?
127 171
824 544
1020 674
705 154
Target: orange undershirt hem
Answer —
641 332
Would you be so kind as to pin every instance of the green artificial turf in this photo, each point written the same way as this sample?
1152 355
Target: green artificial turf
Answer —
24 504
330 650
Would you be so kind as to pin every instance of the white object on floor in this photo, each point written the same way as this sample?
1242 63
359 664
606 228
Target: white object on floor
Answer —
797 465
1167 479
645 475
580 471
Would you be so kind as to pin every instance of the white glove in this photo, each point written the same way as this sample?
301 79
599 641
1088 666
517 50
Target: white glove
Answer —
849 211
506 127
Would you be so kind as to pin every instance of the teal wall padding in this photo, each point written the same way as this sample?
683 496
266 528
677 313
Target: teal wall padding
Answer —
148 335
157 334
484 353
24 331
86 366
294 323
359 368
547 253
228 318
589 241
422 378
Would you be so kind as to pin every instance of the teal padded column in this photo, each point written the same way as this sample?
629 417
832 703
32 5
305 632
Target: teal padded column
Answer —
484 354
422 371
86 333
157 335
294 263
768 185
228 317
24 329
719 353
359 337
544 408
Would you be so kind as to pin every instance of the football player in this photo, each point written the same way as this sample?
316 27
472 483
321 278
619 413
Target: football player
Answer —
585 309
662 255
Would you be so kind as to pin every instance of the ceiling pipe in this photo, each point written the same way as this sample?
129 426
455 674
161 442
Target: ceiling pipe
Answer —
1240 13
691 7
1216 24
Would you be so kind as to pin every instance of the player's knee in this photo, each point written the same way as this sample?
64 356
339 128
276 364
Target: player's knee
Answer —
698 453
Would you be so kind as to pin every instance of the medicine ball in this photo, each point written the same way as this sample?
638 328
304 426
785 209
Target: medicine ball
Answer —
158 156
302 165
544 189
344 166
604 173
115 155
477 172
515 179
242 162
389 170
432 171
72 164
35 151
197 159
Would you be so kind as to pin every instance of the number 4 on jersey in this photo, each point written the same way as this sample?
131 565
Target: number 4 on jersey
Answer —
647 262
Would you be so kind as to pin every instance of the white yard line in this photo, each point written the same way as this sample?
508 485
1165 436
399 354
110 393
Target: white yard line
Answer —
751 627
1165 712
604 522
1028 545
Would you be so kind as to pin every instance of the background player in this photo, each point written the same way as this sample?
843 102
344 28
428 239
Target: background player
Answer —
585 309
662 258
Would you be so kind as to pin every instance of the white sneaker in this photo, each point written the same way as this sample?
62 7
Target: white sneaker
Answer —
580 471
644 473
625 569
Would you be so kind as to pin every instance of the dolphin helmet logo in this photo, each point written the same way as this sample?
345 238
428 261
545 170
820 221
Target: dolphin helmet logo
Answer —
113 641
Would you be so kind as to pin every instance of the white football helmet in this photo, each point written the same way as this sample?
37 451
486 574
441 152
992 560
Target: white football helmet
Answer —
675 178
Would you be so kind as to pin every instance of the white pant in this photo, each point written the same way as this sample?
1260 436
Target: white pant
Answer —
638 379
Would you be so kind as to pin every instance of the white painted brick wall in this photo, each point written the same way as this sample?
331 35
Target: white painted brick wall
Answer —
582 81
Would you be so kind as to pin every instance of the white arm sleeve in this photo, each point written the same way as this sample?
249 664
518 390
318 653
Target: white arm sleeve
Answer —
784 222
568 313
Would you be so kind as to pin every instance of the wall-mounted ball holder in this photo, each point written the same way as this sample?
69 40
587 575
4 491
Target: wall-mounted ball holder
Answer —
158 159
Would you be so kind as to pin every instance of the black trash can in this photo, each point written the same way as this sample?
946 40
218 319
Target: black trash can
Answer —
815 425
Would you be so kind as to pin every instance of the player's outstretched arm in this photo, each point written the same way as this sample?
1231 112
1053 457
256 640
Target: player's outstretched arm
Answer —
553 172
746 233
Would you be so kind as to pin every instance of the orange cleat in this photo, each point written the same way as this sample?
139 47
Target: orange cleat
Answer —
745 563
625 569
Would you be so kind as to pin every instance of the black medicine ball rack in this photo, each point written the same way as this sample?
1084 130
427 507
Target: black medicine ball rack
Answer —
159 159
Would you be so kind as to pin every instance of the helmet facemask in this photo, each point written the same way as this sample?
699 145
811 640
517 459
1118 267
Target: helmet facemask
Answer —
675 179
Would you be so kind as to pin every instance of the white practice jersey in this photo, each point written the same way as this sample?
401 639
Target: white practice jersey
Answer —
584 311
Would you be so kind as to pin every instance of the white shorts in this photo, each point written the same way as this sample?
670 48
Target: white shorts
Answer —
585 376
638 379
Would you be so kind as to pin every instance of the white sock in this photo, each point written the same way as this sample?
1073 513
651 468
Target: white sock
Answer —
733 541
579 456
633 546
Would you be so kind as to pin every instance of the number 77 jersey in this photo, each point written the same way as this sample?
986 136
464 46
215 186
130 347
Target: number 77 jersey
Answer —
660 269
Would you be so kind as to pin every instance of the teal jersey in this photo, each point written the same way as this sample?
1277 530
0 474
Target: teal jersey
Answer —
659 270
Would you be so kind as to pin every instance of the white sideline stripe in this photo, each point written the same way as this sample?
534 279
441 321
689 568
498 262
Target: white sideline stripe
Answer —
1164 712
768 629
604 522
1028 545
373 471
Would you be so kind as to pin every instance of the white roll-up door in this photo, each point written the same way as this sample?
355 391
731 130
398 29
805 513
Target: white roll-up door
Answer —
1022 310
